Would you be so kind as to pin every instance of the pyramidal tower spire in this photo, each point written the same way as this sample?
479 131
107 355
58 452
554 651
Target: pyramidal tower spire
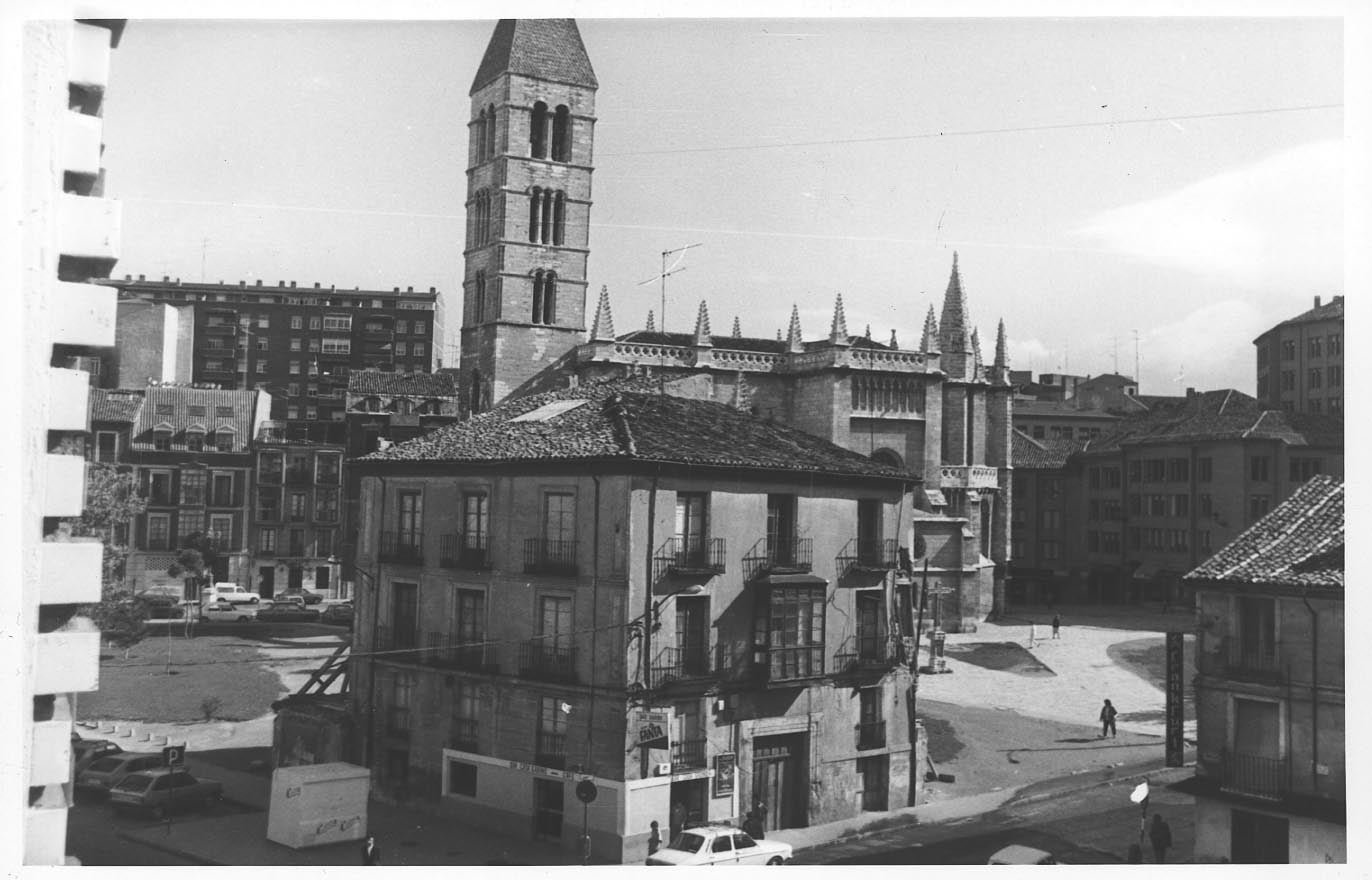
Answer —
793 340
702 325
1002 360
838 330
604 327
738 329
929 342
652 325
954 329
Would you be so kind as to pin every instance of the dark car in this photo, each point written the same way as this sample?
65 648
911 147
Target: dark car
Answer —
85 752
309 597
286 612
163 791
340 614
163 607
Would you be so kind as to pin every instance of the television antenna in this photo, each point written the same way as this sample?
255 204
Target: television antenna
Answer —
661 278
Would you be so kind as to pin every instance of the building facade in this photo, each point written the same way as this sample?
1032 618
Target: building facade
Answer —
297 520
1270 783
668 596
191 449
296 343
1300 361
69 238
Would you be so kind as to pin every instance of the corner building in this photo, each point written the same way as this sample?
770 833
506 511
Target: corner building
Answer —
674 599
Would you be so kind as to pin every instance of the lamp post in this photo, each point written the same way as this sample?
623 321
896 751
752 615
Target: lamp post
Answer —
371 651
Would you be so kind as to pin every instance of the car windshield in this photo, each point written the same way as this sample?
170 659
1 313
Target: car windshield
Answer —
134 782
688 841
104 765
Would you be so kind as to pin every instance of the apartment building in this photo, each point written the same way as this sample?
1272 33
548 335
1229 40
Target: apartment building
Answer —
668 596
1270 783
1300 361
297 517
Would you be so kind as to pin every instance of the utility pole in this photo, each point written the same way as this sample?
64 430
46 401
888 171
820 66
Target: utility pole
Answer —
1136 358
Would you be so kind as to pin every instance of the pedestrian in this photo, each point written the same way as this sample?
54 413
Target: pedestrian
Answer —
1107 720
1033 634
751 827
678 818
760 808
371 853
654 838
1161 836
1057 622
1135 854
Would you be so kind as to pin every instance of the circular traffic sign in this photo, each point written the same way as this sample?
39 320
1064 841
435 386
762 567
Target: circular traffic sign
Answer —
586 791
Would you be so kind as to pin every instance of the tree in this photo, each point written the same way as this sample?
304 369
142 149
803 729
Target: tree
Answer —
196 560
112 502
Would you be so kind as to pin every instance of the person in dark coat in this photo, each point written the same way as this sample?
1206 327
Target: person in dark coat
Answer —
1107 720
371 853
654 838
678 819
760 810
1160 834
1057 622
751 826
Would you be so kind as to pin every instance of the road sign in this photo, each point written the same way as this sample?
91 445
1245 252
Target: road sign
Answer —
586 791
174 756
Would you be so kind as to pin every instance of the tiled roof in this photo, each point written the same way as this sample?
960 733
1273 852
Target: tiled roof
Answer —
1330 311
1031 454
1059 408
114 406
1219 415
645 425
546 48
1298 544
442 384
180 399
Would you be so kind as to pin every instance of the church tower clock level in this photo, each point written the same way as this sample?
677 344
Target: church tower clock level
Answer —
528 207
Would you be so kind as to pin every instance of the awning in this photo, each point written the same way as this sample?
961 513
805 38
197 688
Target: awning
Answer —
796 579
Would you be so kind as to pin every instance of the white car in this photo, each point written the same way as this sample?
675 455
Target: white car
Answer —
720 844
223 609
235 593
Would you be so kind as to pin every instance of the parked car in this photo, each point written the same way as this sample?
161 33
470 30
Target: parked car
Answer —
105 773
286 612
163 791
305 596
162 606
340 613
1018 854
84 752
719 843
235 593
223 609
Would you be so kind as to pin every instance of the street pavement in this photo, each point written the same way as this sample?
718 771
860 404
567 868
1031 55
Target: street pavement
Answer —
997 731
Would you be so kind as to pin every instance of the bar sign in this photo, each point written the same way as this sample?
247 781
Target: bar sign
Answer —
1175 694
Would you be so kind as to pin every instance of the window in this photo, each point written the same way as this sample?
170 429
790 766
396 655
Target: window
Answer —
1177 540
690 532
221 488
552 730
1111 510
1203 541
269 467
195 441
545 297
161 440
223 441
106 446
294 368
323 542
159 487
295 345
261 367
1135 472
1259 468
297 322
338 323
221 530
781 528
311 412
1205 470
470 624
793 632
1050 520
326 469
1303 469
1316 379
410 520
1155 470
1178 470
475 520
1335 375
1206 504
1135 538
295 506
1157 505
268 503
336 345
1288 380
559 526
262 344
538 131
1110 542
562 134
1262 355
871 724
189 523
1049 549
159 528
1335 344
1257 507
325 504
313 345
264 321
1093 477
461 778
1180 505
418 349
1288 349
402 327
405 615
1316 345
479 297
266 540
296 542
402 698
402 349
1257 627
420 328
315 322
1039 432
193 486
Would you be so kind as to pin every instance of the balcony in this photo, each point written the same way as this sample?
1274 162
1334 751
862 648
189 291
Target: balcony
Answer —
693 554
870 735
779 555
542 556
70 571
66 662
551 750
464 551
881 554
402 547
968 477
220 330
788 665
220 541
1254 662
450 652
89 231
157 543
870 655
1255 775
463 735
86 316
681 664
547 660
688 754
400 644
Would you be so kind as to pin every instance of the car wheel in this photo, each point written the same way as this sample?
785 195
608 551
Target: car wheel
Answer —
252 601
775 860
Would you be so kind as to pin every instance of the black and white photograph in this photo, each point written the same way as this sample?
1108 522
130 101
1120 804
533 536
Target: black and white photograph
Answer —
760 434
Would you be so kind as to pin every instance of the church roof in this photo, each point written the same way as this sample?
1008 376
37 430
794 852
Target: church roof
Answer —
545 48
738 343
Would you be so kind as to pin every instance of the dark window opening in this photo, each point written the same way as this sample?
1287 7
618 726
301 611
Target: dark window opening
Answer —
562 134
538 131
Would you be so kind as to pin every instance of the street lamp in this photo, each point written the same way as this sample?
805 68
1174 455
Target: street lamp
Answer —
371 650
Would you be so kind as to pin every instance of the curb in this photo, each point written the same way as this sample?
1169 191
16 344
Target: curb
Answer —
167 848
1121 774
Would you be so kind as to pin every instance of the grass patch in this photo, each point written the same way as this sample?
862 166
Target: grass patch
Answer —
203 667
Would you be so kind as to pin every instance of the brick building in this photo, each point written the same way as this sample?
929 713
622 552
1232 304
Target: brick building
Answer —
1300 361
297 520
535 564
296 343
1271 783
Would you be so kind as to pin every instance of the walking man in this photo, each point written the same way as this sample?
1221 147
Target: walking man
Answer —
1160 834
1033 634
371 853
654 838
761 810
1057 622
1107 720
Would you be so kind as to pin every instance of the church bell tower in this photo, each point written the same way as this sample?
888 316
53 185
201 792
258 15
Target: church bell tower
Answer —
528 207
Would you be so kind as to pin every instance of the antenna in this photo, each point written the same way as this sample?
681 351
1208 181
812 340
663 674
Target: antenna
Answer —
662 277
1136 358
1115 345
204 246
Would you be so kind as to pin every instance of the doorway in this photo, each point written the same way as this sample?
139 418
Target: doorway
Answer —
295 579
266 581
1258 839
691 794
321 579
548 799
779 780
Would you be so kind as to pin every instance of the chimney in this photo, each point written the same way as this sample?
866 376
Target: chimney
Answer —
1190 392
316 285
409 290
141 278
166 278
1317 300
292 284
259 282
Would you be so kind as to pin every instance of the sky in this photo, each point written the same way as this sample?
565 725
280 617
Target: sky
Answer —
1150 187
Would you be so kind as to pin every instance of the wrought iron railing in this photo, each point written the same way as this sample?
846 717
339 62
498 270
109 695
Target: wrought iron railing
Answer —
463 735
880 554
695 553
543 556
550 750
464 551
1261 662
450 652
1255 775
871 735
688 753
780 554
548 660
865 655
681 664
405 547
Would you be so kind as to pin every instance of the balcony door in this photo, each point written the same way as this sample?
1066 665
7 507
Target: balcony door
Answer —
410 525
693 634
1257 627
690 529
555 627
405 614
781 528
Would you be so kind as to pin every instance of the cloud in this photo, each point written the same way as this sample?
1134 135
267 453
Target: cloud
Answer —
1200 352
1270 223
1030 354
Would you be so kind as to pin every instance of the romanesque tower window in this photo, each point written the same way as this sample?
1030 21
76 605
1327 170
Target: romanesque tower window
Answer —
547 216
479 297
545 297
481 222
483 124
488 141
538 131
562 134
